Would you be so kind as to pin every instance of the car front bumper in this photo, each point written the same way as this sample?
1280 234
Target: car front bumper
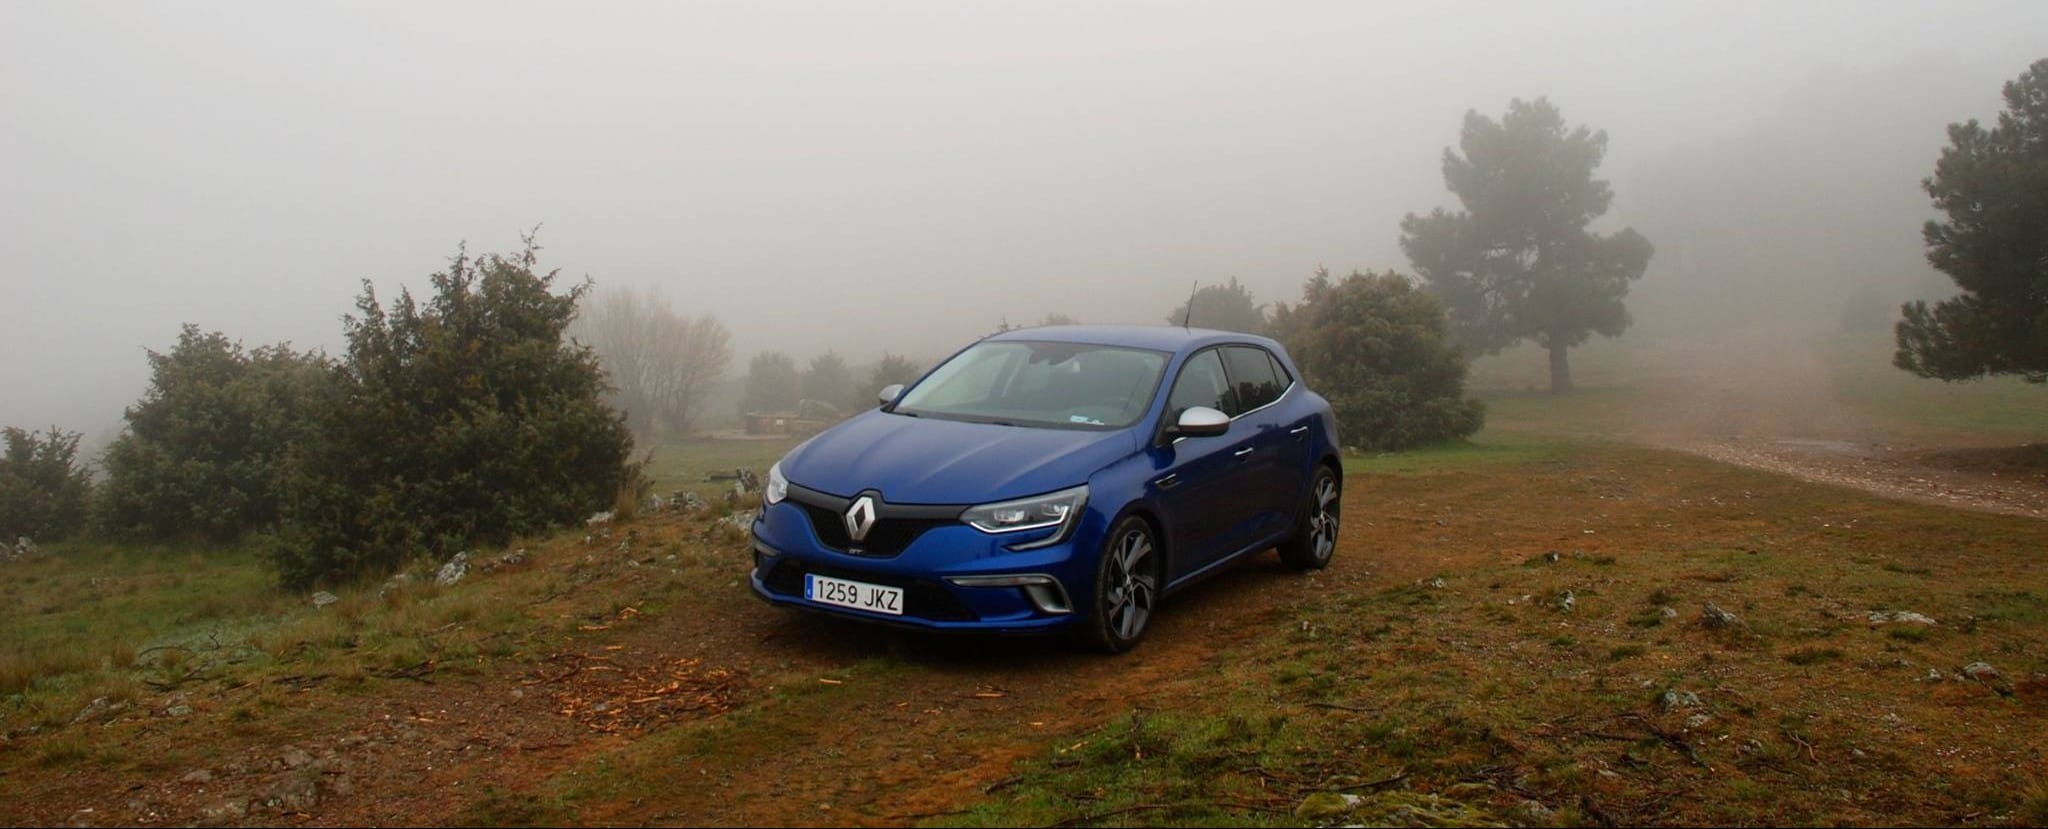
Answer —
954 577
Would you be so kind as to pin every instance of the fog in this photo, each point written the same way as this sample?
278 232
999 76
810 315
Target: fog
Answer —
903 177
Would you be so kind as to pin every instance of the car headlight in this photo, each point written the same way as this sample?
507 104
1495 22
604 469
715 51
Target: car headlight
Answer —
1060 509
777 488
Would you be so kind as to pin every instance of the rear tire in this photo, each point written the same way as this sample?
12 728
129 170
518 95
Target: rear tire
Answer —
1315 532
1126 589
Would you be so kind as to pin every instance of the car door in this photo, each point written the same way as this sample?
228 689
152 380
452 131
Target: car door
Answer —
1199 483
1279 448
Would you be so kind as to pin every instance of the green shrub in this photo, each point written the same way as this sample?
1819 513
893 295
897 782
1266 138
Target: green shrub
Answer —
1375 347
466 419
44 490
203 448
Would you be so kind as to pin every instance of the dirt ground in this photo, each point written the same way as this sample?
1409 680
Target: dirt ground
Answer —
1772 404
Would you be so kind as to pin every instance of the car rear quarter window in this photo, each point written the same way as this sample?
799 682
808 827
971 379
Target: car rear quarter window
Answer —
1251 371
1201 383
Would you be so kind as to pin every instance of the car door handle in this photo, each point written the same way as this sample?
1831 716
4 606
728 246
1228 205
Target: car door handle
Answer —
1298 431
1243 452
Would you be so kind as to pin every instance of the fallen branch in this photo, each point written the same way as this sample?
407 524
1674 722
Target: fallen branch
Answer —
1376 784
1335 707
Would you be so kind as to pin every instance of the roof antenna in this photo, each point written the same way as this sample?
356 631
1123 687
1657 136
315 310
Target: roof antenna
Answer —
1190 313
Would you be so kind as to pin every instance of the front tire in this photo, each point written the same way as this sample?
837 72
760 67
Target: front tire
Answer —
1126 588
1315 533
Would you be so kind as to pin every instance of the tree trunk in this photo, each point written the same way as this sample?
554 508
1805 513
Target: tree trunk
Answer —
1560 370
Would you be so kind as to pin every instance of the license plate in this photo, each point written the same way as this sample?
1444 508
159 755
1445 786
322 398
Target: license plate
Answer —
858 595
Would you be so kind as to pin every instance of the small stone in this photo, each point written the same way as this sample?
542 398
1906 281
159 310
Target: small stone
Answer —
99 709
693 502
229 810
1698 720
1753 748
324 598
1933 675
294 758
178 711
1676 700
599 518
1551 557
453 571
1980 671
1668 612
1904 617
1437 583
1566 601
197 777
1714 618
1532 813
1326 805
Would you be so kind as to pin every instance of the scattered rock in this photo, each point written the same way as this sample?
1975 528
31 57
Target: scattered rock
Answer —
1566 601
226 811
1753 748
692 502
1904 617
1697 720
454 570
1933 675
1531 813
296 793
398 581
1714 618
197 777
1326 805
1980 671
1437 583
176 705
294 758
100 708
1668 612
1676 700
599 518
324 598
506 561
742 521
24 547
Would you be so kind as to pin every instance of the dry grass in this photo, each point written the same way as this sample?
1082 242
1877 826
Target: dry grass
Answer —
1491 697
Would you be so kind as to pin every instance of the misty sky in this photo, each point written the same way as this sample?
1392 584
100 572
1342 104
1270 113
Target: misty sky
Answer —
851 176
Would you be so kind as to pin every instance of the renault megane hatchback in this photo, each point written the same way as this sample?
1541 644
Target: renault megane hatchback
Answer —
1060 479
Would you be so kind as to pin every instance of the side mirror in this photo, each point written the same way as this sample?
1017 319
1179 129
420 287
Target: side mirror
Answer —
1199 422
890 393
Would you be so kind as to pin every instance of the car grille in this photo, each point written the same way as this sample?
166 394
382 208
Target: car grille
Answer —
921 598
888 537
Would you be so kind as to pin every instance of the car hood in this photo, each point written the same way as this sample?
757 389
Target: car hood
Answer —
924 460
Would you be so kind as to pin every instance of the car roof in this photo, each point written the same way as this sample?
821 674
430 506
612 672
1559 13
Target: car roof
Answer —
1156 337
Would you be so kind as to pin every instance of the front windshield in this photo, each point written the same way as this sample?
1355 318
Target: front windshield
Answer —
1060 385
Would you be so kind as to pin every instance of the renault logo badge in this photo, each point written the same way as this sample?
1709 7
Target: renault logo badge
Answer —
860 518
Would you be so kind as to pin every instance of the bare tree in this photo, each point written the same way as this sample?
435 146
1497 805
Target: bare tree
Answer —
662 362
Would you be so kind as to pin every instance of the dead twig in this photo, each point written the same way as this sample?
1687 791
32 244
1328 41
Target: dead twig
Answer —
1676 742
1810 755
1376 784
1335 707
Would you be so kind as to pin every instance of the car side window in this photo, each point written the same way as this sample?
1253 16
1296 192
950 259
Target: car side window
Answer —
1201 383
1280 372
1251 369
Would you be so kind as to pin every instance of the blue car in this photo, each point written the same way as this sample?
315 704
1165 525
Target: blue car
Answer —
1059 479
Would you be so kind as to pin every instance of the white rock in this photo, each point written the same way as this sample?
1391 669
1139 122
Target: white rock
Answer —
324 598
453 571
